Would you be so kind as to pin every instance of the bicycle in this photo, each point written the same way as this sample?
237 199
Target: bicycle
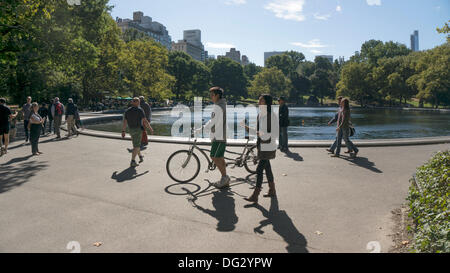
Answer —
183 166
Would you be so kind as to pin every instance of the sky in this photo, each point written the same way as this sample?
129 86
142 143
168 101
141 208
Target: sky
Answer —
313 27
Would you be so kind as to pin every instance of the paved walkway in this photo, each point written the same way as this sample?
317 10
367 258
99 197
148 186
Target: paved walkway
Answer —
82 190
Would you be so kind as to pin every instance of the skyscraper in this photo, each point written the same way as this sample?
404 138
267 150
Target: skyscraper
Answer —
415 41
146 25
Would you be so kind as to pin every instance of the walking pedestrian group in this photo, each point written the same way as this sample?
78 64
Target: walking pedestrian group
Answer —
137 119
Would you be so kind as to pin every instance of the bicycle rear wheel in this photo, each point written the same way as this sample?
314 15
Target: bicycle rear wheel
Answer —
182 166
251 160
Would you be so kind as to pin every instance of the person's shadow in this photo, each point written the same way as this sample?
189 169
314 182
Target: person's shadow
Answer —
17 159
283 225
224 212
363 162
294 156
127 175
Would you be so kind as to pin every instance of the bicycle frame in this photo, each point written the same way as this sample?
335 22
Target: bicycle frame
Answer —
211 165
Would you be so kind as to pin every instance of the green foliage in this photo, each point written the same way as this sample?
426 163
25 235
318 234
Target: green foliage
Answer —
445 29
229 75
270 81
430 208
355 82
251 70
143 65
192 77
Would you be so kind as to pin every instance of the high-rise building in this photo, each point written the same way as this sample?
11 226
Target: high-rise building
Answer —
192 45
415 41
234 55
146 25
267 55
328 57
193 36
195 52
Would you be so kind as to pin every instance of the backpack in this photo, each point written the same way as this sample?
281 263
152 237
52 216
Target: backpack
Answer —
58 109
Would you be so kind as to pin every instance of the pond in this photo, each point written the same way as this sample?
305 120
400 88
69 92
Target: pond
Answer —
311 123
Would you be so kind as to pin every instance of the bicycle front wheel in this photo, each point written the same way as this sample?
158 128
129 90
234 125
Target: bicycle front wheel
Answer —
183 166
251 160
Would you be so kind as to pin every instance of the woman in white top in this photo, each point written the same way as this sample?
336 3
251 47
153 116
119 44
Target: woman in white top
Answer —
267 132
35 126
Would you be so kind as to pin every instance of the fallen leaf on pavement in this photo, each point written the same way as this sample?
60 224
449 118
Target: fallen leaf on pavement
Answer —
318 233
405 243
97 244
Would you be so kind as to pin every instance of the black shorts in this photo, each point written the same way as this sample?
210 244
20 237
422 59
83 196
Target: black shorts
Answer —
4 128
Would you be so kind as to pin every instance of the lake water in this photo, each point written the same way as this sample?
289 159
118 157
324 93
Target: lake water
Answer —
311 123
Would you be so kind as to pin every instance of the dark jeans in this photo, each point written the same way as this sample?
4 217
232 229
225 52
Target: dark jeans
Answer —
35 132
25 126
264 164
345 134
283 138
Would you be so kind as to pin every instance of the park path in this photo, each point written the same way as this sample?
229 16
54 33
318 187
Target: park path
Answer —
82 190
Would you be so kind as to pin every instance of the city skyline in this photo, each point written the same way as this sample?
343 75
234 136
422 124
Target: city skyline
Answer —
311 27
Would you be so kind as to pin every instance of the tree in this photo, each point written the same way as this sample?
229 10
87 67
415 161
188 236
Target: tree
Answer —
373 50
355 82
282 62
321 84
445 29
433 79
229 75
301 85
251 70
270 81
144 65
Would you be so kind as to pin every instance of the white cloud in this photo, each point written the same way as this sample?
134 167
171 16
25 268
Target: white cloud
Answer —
287 9
322 17
315 43
315 51
374 2
236 2
338 8
219 45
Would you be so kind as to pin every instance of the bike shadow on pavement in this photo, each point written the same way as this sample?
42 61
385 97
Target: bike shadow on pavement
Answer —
282 224
127 175
222 200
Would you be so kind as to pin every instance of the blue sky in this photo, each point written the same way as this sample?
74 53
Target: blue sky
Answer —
313 27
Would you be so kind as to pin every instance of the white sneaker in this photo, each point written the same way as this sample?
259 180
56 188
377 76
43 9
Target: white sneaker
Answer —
224 182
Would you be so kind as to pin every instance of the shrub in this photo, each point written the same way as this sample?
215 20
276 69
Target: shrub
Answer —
429 203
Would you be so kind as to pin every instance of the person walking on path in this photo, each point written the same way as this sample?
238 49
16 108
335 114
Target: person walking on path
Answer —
57 113
331 122
5 116
218 134
266 132
343 130
284 123
134 117
50 116
35 127
71 114
26 111
148 114
43 112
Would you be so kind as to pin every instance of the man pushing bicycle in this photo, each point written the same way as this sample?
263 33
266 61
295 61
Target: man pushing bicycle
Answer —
218 135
